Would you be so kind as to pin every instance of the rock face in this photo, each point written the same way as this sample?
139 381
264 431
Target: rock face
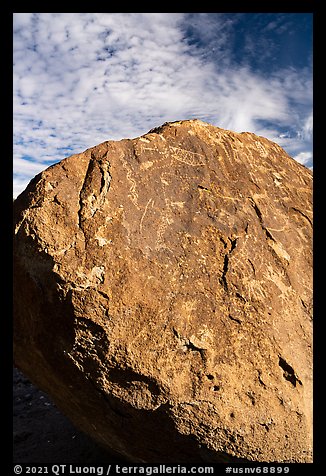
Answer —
162 295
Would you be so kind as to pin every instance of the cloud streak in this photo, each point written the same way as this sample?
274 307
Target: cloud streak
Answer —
80 79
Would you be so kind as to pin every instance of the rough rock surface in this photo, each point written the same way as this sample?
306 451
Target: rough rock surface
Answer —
162 295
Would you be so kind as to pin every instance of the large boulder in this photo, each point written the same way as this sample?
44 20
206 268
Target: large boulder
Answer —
162 295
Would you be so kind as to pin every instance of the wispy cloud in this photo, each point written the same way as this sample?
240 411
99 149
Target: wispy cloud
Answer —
80 79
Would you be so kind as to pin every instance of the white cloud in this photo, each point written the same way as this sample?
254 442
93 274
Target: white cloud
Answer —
80 79
308 128
304 157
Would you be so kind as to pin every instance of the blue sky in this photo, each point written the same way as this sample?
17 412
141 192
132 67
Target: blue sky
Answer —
84 78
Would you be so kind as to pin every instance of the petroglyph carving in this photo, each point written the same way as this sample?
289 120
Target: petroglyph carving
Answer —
187 157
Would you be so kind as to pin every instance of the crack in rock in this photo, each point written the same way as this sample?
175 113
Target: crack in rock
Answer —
91 201
288 372
227 256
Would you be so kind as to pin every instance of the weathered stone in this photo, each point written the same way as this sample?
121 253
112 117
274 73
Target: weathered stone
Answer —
162 295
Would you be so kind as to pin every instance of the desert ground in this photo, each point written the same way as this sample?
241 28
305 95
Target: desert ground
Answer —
43 435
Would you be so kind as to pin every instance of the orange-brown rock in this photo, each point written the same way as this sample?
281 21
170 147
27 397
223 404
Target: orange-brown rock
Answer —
163 292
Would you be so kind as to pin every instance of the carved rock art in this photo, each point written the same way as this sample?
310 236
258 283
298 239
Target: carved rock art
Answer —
162 295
